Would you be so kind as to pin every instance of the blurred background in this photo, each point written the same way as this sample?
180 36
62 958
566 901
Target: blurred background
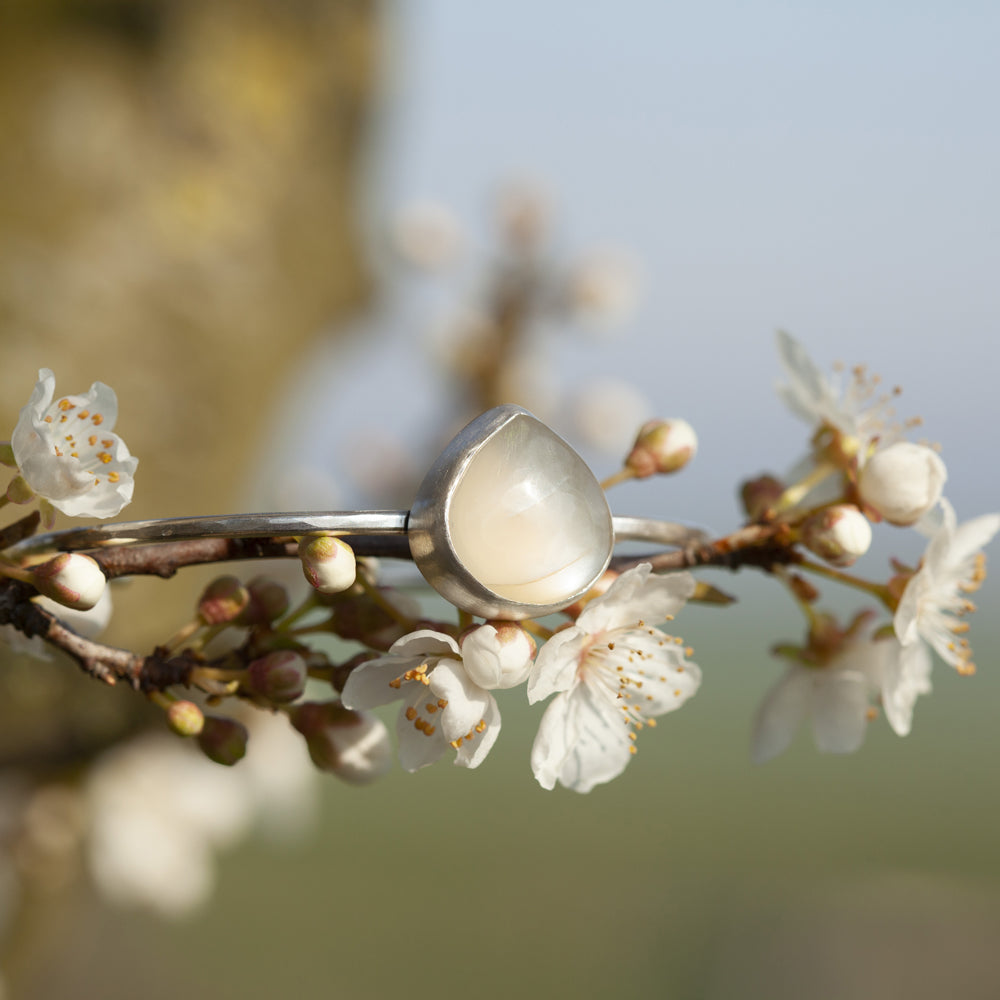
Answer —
305 240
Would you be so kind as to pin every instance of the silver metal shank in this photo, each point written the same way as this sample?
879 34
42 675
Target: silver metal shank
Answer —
180 529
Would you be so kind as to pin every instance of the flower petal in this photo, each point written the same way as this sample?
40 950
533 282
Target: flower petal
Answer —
637 595
839 710
555 667
906 674
424 643
583 741
418 747
467 703
369 685
473 752
780 714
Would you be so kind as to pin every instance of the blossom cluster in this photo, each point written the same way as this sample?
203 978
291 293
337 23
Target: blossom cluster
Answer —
607 667
860 467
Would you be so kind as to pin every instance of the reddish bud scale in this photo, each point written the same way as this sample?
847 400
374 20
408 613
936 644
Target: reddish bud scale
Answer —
223 601
279 677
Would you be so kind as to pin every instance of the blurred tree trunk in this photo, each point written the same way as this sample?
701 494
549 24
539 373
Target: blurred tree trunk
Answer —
178 187
178 191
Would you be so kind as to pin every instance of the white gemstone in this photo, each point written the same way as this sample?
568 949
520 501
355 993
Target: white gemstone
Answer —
528 519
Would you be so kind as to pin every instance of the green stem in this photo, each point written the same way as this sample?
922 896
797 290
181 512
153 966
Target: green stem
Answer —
621 476
795 494
377 597
877 590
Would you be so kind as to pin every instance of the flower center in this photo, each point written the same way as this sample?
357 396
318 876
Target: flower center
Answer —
627 666
76 435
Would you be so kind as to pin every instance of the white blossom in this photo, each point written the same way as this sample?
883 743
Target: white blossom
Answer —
159 812
445 688
612 674
856 411
838 697
67 451
933 604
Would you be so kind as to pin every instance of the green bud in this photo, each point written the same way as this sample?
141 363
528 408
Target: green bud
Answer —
185 718
223 740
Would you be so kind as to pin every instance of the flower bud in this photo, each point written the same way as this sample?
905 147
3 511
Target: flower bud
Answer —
357 617
328 563
185 718
352 745
71 579
760 495
223 740
279 677
223 601
497 654
902 482
268 601
662 446
427 236
837 534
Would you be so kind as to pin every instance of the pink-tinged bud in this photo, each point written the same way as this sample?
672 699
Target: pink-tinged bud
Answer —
760 495
279 677
185 718
268 601
71 579
352 745
902 482
837 534
223 601
223 740
662 446
328 563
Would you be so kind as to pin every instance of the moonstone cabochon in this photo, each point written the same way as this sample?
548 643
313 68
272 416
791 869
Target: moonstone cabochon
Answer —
525 523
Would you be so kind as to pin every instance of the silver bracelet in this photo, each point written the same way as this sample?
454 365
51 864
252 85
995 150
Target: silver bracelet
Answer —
508 523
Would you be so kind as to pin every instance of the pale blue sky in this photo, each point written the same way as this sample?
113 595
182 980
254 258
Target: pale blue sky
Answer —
827 168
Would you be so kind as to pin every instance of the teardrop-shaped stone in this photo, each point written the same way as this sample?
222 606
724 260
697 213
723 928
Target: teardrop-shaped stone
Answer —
527 517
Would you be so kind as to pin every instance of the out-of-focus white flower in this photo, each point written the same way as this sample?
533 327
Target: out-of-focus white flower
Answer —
351 744
68 453
603 288
934 602
427 235
837 698
606 412
159 812
902 482
856 411
445 688
524 214
613 674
